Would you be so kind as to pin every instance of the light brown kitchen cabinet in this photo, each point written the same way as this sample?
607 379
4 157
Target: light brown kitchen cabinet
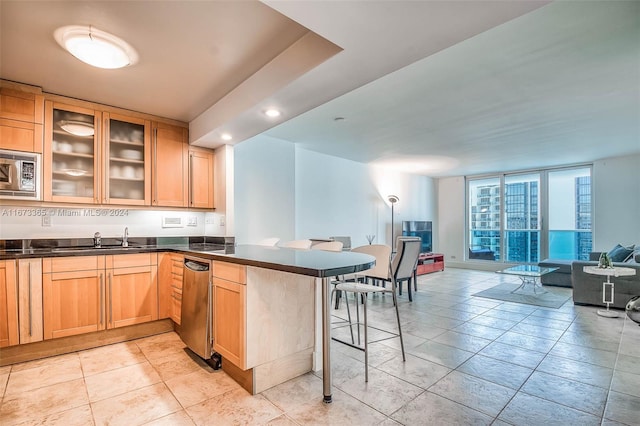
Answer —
263 323
95 157
170 289
21 117
72 170
132 289
170 165
73 295
201 179
98 293
30 300
96 154
8 304
127 147
229 307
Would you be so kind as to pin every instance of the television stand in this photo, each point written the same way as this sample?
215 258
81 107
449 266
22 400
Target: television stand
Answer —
430 262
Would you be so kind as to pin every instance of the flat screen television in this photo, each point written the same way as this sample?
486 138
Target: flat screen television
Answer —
422 229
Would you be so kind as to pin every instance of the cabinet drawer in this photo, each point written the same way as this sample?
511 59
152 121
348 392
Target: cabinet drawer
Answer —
20 135
129 260
176 282
230 272
17 105
176 306
72 263
176 269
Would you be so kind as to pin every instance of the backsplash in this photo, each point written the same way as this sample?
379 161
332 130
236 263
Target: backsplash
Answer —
19 222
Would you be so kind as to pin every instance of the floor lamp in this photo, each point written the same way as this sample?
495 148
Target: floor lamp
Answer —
392 199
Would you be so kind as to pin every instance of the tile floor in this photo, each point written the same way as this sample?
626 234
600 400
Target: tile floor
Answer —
469 361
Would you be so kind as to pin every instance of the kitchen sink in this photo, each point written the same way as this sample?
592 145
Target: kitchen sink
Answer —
91 248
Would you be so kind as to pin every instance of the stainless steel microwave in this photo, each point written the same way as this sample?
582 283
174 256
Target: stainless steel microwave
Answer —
19 175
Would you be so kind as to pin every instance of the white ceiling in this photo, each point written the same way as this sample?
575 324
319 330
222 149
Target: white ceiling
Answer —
558 85
445 87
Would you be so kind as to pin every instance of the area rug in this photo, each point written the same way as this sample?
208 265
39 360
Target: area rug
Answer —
525 295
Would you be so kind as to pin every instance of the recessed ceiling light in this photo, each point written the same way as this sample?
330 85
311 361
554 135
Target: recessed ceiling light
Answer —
226 137
96 47
272 112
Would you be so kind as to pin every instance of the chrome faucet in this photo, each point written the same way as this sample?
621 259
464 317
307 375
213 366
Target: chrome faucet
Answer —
97 240
125 239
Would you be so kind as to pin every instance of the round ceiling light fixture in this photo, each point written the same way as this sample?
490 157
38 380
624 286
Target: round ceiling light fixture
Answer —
77 128
272 112
96 47
226 137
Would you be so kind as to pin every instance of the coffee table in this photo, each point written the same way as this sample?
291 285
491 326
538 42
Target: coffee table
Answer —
528 274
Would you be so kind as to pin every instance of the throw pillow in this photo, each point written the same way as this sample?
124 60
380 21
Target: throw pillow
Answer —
635 256
619 253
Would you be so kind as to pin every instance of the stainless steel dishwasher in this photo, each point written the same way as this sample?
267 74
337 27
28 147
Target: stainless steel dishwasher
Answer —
196 327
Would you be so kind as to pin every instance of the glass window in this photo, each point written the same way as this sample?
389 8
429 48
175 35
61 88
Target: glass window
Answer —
570 214
521 208
484 219
505 216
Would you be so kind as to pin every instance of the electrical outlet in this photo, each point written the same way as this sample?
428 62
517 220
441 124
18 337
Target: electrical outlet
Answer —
222 221
46 220
192 221
209 220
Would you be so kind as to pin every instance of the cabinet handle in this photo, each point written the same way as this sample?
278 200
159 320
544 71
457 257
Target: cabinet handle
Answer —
97 165
210 315
107 147
30 302
155 166
101 299
110 301
191 180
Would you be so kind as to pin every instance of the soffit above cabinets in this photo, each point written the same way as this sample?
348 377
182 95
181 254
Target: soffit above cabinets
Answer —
192 54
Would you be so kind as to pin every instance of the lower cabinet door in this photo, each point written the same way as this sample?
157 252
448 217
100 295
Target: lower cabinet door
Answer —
229 321
132 295
8 304
30 316
73 303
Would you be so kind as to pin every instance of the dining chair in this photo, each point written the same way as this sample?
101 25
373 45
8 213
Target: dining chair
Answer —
415 270
405 262
297 244
381 270
269 242
346 242
328 246
361 291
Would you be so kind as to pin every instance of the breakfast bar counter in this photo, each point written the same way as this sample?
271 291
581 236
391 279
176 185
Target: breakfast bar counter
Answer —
275 301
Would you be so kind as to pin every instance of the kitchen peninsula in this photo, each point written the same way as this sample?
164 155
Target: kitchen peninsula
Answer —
269 308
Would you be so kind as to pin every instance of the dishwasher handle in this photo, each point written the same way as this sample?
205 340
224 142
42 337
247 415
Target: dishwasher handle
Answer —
196 266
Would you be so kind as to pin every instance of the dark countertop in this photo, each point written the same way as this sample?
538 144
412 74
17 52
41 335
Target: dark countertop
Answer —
316 263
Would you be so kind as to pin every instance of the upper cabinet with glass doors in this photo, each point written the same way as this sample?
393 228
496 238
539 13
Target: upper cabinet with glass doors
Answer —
127 160
71 154
91 156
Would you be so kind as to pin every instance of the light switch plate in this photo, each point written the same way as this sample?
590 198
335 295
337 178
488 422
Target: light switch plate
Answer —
46 220
192 221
